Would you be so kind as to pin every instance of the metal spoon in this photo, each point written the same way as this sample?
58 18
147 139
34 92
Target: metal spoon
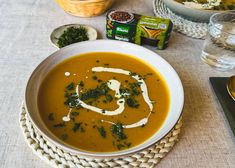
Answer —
231 87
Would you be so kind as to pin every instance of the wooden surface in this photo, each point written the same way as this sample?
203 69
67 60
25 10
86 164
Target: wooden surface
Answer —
25 26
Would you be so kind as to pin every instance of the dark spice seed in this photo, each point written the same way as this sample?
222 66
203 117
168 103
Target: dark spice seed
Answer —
51 117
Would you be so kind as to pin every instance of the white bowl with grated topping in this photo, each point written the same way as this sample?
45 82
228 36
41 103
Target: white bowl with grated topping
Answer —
189 12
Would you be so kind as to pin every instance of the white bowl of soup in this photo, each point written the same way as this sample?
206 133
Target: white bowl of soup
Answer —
104 98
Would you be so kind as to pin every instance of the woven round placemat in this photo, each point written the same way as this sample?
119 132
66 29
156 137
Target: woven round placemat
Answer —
57 157
182 25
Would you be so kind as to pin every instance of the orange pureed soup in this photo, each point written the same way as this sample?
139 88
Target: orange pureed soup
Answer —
103 102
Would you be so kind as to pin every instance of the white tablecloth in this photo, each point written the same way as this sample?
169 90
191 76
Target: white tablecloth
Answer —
25 26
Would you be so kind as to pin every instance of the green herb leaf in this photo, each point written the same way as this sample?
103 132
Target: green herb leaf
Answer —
74 113
70 86
120 146
100 90
59 125
133 74
117 130
72 100
72 35
131 102
102 131
76 126
231 7
108 97
81 84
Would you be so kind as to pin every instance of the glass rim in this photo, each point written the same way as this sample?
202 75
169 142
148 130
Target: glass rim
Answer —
222 13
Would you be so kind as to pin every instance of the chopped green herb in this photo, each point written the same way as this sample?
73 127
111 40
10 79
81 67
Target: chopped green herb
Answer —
120 146
72 35
134 88
74 113
108 97
133 74
124 90
127 144
100 90
94 77
231 7
140 83
134 91
99 80
64 137
76 126
94 126
72 100
102 131
81 84
51 117
59 125
70 86
131 102
117 130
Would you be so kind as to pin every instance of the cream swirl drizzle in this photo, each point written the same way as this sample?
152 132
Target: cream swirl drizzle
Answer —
115 86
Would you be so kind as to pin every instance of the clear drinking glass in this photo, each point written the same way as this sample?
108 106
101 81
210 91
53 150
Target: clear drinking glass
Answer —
219 47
